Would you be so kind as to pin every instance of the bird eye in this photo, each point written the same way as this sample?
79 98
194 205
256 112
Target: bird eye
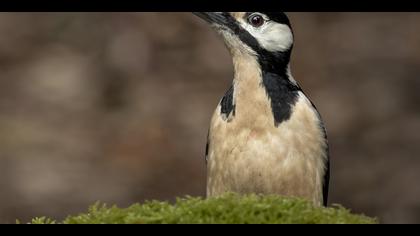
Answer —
256 20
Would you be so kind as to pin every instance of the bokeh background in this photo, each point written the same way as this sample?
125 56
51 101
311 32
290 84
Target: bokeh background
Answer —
115 107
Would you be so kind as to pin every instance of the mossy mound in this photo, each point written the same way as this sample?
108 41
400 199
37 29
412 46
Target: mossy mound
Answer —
228 209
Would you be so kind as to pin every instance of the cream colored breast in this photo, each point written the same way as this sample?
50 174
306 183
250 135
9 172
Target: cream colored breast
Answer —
248 154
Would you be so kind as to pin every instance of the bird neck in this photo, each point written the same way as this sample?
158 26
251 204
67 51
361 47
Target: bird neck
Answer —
258 91
259 70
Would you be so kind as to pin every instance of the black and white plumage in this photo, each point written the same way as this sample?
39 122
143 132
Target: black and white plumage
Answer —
265 136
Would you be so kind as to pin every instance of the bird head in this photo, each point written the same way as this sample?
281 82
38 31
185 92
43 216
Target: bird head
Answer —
267 36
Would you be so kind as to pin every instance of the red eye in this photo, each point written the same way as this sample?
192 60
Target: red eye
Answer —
256 20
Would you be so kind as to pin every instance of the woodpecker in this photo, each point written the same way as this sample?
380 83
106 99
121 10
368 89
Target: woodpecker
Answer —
266 136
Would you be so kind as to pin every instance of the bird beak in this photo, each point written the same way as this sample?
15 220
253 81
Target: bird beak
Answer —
219 18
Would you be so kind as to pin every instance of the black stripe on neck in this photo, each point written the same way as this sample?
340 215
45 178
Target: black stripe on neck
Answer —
227 106
282 92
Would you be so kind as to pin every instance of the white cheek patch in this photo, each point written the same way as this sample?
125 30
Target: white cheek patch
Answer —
275 37
272 36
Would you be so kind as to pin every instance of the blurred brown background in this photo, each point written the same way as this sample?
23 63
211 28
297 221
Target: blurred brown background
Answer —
115 107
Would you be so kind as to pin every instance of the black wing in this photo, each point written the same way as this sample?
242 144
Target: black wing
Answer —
326 184
207 145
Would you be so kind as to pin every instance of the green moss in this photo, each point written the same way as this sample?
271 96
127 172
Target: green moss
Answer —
231 208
